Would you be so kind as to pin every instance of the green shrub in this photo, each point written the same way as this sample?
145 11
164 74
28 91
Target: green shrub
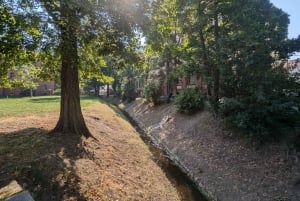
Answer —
151 92
190 101
261 118
128 92
57 92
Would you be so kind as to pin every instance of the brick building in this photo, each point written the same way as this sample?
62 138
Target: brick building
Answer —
43 88
160 73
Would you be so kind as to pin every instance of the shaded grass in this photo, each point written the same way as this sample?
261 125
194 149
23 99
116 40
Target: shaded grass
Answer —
37 162
62 167
36 105
41 163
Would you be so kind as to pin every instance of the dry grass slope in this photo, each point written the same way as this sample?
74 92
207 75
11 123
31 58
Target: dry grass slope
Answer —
116 165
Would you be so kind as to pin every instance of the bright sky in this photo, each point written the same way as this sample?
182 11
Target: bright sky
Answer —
291 7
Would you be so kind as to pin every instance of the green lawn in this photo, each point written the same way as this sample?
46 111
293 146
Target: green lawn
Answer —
35 105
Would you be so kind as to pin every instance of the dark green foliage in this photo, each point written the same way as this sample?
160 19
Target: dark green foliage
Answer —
126 82
19 38
152 92
262 118
128 92
57 92
230 45
190 101
267 111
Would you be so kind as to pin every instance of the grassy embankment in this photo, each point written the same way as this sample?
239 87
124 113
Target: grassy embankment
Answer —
116 165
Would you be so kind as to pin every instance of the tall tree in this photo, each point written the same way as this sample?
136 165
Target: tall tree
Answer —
73 18
19 37
74 24
71 119
226 48
164 37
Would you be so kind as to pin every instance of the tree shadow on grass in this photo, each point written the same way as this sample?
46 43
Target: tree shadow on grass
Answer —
42 164
45 99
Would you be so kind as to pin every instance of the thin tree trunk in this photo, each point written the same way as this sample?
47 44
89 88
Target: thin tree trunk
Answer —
167 76
71 119
207 66
96 88
216 72
204 56
107 90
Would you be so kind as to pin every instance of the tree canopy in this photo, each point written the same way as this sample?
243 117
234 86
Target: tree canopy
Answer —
78 34
237 47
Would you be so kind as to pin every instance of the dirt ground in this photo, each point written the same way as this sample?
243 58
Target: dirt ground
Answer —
224 165
115 166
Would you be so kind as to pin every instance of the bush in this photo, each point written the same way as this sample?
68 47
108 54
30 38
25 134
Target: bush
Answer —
57 92
190 101
261 118
128 92
152 92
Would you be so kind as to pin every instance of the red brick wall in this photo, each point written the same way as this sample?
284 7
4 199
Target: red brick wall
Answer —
10 92
43 88
185 83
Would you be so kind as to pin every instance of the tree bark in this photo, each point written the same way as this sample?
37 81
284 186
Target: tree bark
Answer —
107 90
96 88
204 55
207 66
216 72
71 119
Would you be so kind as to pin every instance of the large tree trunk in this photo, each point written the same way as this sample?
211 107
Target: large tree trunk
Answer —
71 119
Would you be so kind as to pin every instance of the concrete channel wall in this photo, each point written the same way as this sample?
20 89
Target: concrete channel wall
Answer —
224 167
